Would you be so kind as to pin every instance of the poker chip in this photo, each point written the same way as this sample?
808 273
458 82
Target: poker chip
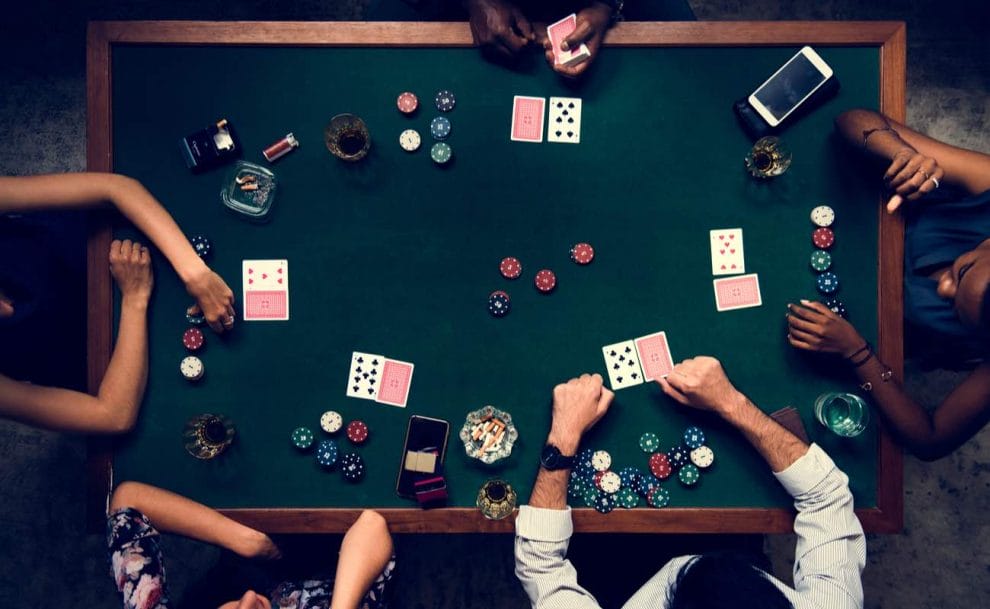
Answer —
326 453
591 495
649 442
545 281
193 339
601 460
407 102
596 479
827 283
302 437
582 253
192 368
610 482
604 503
693 437
629 476
823 238
510 268
498 304
202 245
576 486
352 467
627 498
658 497
331 421
646 484
357 431
445 100
836 306
702 457
820 260
823 216
678 457
440 128
441 153
689 475
583 460
660 466
409 140
195 320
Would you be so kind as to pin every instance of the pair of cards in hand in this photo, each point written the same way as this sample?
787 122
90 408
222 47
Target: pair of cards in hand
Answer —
378 378
564 122
728 258
633 362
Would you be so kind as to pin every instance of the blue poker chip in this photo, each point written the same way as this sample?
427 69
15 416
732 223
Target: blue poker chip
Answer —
440 128
201 245
445 100
836 306
693 437
326 453
605 503
195 320
629 476
498 304
827 283
678 457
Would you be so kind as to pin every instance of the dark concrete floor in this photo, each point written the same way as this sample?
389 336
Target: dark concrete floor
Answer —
942 560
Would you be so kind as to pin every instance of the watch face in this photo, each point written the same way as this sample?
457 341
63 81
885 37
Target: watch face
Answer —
550 457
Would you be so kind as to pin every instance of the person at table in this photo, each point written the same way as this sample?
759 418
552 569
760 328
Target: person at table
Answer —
504 29
944 194
831 549
26 284
139 513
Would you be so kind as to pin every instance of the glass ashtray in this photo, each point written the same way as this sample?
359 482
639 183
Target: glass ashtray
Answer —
488 435
249 191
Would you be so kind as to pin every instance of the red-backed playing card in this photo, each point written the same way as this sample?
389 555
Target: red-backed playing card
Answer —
737 292
395 381
266 289
560 30
527 119
654 356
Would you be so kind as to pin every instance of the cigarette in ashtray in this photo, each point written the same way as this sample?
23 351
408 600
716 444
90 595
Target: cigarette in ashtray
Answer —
489 434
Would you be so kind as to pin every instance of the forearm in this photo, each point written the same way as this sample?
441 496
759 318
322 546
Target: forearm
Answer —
364 553
872 132
779 447
122 388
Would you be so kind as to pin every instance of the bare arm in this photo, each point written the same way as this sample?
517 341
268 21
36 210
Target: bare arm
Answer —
171 513
364 553
115 407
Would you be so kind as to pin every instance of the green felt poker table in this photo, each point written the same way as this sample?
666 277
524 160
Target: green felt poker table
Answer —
396 255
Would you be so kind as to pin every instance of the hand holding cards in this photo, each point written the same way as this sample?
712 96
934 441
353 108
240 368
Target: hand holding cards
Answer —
557 32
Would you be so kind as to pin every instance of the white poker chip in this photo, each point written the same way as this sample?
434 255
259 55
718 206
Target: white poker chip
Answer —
823 215
610 482
409 140
331 421
702 457
192 368
601 460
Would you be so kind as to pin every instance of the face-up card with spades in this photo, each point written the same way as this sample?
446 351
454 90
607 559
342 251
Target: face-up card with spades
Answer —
527 119
395 382
737 292
364 378
266 289
654 355
622 364
727 251
565 120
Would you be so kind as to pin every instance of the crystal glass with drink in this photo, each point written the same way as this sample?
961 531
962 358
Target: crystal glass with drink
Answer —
347 137
845 414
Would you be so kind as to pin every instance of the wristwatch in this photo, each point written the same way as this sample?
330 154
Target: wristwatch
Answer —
616 6
552 460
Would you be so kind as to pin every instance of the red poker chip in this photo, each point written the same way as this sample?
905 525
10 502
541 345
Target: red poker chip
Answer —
510 268
660 466
193 339
583 253
500 293
823 238
357 432
407 102
545 281
598 479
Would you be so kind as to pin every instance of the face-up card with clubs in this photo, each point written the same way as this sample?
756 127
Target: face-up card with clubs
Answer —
737 292
565 120
395 382
527 119
727 251
622 363
266 289
364 378
654 355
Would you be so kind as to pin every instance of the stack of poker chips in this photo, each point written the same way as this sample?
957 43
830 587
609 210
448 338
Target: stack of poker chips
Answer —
823 237
328 454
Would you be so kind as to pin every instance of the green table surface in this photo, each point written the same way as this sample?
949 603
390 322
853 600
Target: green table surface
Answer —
396 256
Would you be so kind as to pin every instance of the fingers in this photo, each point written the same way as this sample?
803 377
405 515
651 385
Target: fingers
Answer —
928 185
605 400
671 391
799 344
894 202
896 165
579 35
522 25
806 312
796 323
810 338
906 171
194 310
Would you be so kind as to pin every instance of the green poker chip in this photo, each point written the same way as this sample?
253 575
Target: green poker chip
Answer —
659 497
627 498
820 260
689 475
302 437
441 153
591 496
649 442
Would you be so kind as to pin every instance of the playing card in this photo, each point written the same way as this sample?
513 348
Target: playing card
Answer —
565 120
654 355
395 381
266 289
623 365
560 30
727 251
363 380
790 419
737 292
527 119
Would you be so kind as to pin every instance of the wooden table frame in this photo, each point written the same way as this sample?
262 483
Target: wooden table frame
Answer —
890 37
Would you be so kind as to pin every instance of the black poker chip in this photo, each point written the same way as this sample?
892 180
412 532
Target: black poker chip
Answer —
202 245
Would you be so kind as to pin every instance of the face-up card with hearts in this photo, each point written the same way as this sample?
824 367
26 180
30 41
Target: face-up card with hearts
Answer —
364 378
560 30
527 119
727 251
565 120
654 355
737 292
266 289
395 382
622 364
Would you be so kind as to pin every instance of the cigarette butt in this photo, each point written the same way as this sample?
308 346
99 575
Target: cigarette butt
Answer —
249 187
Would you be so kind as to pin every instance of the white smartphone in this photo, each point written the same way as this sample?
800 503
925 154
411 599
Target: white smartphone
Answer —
789 86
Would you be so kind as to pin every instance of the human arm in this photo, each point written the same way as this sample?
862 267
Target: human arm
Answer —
364 553
115 406
499 27
593 22
928 435
912 156
544 527
134 202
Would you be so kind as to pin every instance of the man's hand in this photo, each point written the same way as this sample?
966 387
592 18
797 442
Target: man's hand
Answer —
592 23
701 383
214 299
577 405
499 27
814 327
911 175
130 265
